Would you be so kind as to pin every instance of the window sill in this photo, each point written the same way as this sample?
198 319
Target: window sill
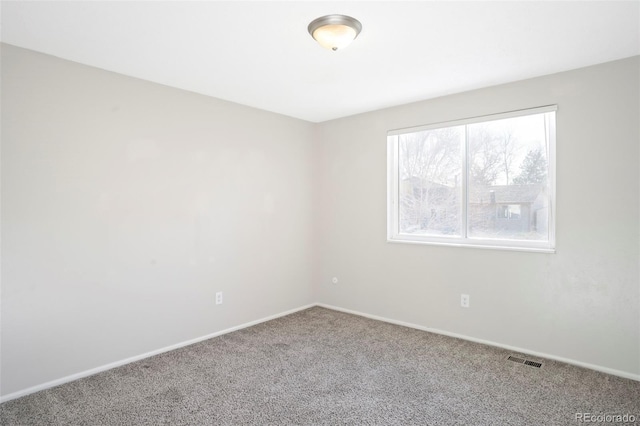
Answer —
477 245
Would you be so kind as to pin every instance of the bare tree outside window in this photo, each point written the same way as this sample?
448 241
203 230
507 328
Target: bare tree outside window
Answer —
489 199
429 167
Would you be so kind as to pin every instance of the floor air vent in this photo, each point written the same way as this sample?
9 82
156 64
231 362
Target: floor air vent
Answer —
524 361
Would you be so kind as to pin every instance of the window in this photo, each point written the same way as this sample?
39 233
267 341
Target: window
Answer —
510 211
483 182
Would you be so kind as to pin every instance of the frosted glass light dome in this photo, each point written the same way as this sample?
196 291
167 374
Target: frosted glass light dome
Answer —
334 31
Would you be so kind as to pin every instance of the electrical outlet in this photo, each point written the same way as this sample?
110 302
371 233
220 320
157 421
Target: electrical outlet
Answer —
219 298
464 300
334 280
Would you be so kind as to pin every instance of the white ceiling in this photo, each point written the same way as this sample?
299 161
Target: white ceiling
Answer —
260 54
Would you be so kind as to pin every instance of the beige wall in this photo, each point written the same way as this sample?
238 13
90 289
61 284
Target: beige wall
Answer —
126 205
580 303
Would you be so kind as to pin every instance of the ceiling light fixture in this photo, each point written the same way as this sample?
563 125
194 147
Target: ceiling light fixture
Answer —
334 31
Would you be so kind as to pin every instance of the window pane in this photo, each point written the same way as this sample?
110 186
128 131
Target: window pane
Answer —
430 179
508 195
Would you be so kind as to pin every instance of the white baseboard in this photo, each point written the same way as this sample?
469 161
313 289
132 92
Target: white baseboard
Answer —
602 369
109 366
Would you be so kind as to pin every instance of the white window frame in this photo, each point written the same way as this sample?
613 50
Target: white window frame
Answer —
393 192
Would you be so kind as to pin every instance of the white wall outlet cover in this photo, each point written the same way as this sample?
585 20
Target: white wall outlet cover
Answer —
464 300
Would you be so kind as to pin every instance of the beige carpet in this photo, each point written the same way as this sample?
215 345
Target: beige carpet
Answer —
319 366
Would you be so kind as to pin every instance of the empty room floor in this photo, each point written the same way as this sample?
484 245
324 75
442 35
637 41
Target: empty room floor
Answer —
320 366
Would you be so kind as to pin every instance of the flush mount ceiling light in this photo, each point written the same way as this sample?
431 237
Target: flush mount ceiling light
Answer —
334 31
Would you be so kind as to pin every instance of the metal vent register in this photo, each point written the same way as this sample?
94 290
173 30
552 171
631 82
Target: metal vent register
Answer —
524 361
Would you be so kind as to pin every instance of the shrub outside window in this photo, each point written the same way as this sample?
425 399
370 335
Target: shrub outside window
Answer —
484 182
